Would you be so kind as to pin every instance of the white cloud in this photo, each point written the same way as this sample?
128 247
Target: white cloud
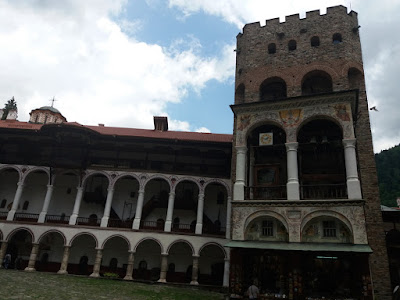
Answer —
203 130
78 52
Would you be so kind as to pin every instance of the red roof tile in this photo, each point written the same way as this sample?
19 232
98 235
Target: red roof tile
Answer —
133 132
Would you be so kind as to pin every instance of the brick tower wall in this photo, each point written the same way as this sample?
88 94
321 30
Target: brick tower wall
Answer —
254 65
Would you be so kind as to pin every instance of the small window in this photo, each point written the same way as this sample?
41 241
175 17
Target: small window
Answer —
268 228
272 48
3 203
337 38
314 41
329 228
26 205
292 45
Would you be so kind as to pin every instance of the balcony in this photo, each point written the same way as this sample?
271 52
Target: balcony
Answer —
117 223
3 215
152 225
57 219
88 221
26 217
276 192
323 191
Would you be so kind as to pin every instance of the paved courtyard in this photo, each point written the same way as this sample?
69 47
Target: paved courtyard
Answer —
36 285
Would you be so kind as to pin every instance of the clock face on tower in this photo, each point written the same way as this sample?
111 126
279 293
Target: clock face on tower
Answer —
266 139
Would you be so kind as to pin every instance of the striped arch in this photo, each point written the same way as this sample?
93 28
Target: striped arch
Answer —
9 236
87 176
346 132
265 213
287 78
221 182
350 65
316 67
263 121
124 175
326 213
190 179
5 167
53 231
117 236
214 244
181 241
35 169
84 233
160 176
151 239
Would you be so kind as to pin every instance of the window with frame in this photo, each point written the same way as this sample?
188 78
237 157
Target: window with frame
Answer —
329 228
268 228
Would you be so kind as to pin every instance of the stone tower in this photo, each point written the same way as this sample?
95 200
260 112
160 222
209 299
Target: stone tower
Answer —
303 165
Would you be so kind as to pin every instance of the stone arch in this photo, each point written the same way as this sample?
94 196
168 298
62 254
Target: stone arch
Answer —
158 176
272 89
264 121
35 169
316 82
351 65
326 117
275 74
326 213
125 175
266 213
87 176
14 231
214 244
181 241
53 231
116 236
190 179
221 182
84 233
5 167
315 67
151 239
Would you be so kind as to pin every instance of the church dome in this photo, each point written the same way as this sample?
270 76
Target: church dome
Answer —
55 110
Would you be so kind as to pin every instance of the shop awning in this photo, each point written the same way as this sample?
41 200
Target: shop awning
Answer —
316 247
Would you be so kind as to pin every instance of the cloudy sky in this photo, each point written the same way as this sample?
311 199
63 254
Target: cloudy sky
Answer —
121 62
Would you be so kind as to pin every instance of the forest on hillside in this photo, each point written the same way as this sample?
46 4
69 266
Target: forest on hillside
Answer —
388 168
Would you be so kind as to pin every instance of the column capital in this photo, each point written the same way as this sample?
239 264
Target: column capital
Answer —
79 188
200 195
292 146
99 249
20 183
131 251
110 189
164 254
241 149
35 244
67 246
171 194
195 256
50 186
349 143
141 191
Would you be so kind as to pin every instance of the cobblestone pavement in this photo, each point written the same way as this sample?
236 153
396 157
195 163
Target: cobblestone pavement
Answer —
49 286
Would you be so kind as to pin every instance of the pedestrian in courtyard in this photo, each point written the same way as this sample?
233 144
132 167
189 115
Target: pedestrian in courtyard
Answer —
253 290
7 260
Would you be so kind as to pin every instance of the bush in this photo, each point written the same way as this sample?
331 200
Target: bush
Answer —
111 275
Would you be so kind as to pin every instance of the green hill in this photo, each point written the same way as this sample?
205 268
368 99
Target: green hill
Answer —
388 168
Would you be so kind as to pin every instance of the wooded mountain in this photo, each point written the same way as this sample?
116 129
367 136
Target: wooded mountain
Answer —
388 168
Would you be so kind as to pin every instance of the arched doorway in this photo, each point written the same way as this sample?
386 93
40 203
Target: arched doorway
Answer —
181 255
19 247
82 255
211 262
115 256
51 249
147 263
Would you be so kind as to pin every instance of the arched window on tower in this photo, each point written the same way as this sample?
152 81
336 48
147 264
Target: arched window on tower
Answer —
239 94
292 45
337 38
314 41
273 89
272 48
316 82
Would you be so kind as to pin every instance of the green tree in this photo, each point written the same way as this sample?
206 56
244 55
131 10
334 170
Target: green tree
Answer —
9 105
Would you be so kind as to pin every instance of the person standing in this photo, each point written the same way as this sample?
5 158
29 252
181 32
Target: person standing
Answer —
253 290
7 260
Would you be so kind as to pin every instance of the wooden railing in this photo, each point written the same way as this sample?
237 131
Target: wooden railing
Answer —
3 215
183 228
152 225
57 219
27 217
117 223
323 191
88 221
277 192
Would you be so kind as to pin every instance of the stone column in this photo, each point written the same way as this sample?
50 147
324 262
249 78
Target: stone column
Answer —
353 183
228 217
170 211
164 268
200 208
225 281
77 205
47 199
129 268
32 258
64 262
195 270
97 263
238 188
107 208
17 197
139 208
292 185
3 250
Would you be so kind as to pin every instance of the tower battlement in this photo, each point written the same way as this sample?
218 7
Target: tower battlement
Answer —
335 12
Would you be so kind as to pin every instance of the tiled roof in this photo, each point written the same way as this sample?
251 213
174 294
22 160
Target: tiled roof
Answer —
133 132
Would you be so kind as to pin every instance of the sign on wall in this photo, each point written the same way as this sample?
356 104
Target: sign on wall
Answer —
266 139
